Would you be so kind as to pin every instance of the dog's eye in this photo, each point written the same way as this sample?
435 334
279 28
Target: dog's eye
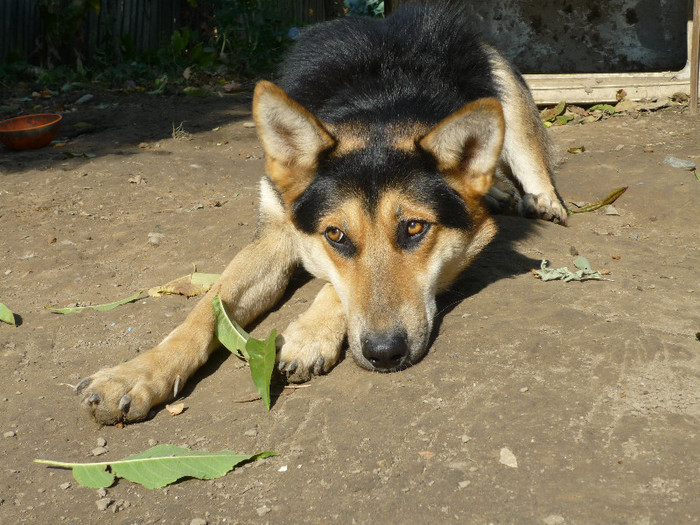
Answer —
414 228
335 235
339 241
410 233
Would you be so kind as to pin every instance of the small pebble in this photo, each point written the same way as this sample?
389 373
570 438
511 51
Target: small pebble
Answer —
466 439
102 492
103 503
554 519
249 124
675 162
66 485
573 251
98 451
101 442
155 239
251 433
263 510
9 434
84 99
524 389
507 458
198 521
152 442
464 484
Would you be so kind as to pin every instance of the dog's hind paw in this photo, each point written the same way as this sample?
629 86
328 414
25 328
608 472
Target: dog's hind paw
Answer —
542 206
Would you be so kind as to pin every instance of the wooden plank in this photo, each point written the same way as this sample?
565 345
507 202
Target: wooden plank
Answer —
694 58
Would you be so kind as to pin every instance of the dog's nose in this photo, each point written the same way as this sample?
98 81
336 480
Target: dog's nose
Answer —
385 351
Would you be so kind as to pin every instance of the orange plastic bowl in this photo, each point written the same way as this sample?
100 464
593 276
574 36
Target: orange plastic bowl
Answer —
30 131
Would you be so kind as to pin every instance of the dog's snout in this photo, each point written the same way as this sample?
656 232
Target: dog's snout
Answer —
385 351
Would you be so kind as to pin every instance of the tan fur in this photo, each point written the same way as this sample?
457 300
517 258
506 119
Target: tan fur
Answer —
527 150
251 284
292 137
380 288
405 136
349 136
468 145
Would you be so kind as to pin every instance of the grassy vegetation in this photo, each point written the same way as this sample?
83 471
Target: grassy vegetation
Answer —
240 39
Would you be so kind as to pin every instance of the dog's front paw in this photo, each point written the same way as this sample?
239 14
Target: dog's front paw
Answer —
305 350
126 392
542 206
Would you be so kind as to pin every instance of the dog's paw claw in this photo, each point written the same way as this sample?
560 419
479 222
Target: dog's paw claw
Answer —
92 399
543 207
125 403
81 386
318 366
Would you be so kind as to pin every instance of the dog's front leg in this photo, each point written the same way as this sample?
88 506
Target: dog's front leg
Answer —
312 343
251 284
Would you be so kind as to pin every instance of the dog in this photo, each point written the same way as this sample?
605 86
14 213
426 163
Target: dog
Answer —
382 144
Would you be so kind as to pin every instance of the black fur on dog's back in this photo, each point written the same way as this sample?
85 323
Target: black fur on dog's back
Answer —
417 64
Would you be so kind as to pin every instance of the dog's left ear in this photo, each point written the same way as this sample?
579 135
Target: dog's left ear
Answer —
292 138
467 146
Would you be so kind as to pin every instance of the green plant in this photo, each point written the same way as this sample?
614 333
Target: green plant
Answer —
365 7
62 41
250 35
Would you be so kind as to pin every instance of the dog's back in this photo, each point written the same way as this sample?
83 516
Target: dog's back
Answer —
418 64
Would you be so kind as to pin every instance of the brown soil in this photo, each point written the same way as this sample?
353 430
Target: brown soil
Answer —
594 387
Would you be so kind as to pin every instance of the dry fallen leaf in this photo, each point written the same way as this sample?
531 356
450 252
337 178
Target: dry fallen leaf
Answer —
175 409
189 285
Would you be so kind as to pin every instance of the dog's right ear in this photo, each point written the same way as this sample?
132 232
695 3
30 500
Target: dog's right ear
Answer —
292 138
467 145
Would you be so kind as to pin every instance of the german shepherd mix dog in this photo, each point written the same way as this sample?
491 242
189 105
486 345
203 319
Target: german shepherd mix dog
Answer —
381 143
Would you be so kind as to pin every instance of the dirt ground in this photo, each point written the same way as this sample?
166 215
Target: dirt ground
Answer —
594 387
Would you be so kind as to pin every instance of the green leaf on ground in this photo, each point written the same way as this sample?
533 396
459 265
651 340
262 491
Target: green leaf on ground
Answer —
262 363
192 91
584 273
71 155
549 114
609 199
98 307
157 467
563 119
260 354
229 332
605 108
6 315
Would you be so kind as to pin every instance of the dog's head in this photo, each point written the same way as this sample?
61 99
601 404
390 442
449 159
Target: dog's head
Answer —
390 213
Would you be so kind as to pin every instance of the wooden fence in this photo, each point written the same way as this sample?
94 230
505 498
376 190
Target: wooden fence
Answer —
149 23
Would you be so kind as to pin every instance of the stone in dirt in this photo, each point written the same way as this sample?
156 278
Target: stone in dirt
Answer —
103 503
675 162
508 458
